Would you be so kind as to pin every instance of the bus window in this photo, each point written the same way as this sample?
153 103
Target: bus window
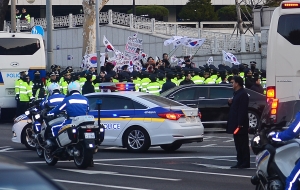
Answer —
289 28
19 46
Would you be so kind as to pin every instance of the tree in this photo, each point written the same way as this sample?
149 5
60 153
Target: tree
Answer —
89 25
198 10
228 13
153 11
273 3
3 10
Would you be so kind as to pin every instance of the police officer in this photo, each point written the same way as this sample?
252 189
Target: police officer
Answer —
65 83
54 98
197 79
17 91
153 87
25 94
25 15
88 86
293 131
38 90
75 105
145 81
52 78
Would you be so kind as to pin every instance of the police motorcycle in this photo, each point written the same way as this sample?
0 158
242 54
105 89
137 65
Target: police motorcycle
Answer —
274 160
77 141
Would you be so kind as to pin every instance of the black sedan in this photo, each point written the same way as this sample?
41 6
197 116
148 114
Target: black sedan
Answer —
212 101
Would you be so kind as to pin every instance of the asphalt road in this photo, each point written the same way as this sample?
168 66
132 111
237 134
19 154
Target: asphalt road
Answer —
203 165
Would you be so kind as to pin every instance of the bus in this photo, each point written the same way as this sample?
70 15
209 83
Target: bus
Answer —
18 52
283 62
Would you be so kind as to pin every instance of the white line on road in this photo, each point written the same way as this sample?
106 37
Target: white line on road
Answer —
114 147
148 158
224 160
118 174
217 166
4 146
229 140
219 137
98 185
175 170
208 145
5 150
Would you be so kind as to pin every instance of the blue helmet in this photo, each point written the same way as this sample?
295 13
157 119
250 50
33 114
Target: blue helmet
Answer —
74 86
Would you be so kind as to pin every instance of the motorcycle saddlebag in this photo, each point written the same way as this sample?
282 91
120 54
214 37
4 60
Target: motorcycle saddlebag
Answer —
65 136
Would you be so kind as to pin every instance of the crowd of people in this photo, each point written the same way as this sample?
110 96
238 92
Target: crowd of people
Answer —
156 77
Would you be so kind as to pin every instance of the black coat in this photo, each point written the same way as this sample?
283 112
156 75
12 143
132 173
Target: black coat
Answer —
184 82
249 82
87 88
257 88
167 85
238 113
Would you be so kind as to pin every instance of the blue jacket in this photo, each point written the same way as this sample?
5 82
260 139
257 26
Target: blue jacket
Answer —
53 100
292 132
74 104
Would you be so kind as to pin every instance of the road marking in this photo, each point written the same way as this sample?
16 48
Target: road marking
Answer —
118 174
147 158
6 149
98 185
114 147
208 145
218 167
229 140
175 170
225 160
219 137
4 146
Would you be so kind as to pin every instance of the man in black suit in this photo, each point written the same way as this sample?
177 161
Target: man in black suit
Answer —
238 122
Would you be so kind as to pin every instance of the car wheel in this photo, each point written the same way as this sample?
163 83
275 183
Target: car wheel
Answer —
136 139
253 119
171 147
27 138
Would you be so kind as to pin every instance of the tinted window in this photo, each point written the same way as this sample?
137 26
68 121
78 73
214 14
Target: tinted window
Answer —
216 92
19 46
202 92
289 28
93 102
185 94
160 101
138 105
116 103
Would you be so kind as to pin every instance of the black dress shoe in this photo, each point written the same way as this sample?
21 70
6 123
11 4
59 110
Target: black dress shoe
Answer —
244 166
235 166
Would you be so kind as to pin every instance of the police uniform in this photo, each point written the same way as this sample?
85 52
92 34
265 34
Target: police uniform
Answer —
25 94
153 87
17 92
38 90
75 105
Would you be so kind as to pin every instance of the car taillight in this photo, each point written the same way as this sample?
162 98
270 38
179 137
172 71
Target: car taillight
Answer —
171 116
200 115
88 130
290 5
274 108
270 92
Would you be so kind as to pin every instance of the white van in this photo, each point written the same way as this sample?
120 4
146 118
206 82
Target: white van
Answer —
18 52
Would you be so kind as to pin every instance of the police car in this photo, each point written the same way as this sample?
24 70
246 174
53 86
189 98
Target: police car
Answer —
136 120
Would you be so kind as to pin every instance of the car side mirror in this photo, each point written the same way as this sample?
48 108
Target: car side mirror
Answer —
251 130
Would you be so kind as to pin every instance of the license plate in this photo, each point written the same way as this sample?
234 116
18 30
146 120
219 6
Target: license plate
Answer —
190 119
10 91
89 135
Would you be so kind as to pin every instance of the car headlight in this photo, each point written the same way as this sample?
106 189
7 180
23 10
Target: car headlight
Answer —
27 113
37 116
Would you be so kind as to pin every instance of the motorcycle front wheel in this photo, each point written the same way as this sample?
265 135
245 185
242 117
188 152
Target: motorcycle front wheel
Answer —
85 157
50 160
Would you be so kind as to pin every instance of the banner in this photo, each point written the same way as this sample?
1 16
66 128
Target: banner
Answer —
133 47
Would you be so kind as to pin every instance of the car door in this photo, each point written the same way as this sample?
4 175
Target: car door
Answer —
186 96
202 97
217 104
116 112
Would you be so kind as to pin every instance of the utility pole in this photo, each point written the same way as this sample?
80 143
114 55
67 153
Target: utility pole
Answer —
13 16
133 8
98 36
49 34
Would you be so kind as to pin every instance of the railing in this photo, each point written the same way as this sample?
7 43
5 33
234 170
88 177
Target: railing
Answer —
214 44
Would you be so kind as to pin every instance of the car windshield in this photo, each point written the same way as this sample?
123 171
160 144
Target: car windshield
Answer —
160 101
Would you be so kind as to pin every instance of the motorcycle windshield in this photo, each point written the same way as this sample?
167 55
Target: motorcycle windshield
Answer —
285 112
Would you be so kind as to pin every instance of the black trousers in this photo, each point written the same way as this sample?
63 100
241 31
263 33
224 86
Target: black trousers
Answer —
241 142
23 106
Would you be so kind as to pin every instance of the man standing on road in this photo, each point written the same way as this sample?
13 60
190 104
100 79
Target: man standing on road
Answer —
238 122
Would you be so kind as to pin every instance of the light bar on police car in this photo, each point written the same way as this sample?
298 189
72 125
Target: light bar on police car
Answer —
125 86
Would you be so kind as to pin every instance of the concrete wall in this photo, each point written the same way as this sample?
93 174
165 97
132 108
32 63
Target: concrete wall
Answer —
67 45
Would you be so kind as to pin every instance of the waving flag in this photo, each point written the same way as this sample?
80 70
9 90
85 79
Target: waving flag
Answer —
108 45
233 59
210 61
192 42
174 59
226 57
